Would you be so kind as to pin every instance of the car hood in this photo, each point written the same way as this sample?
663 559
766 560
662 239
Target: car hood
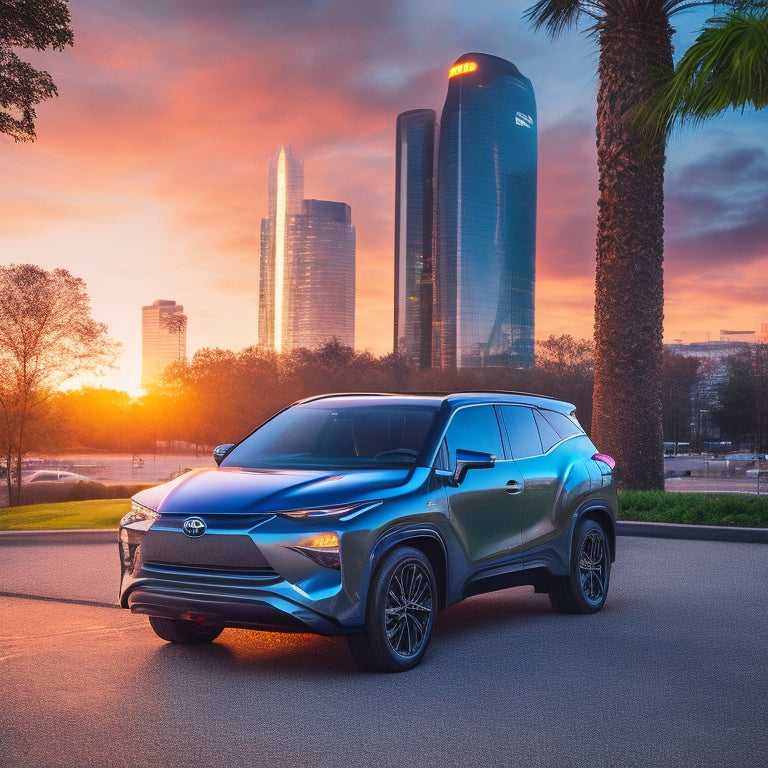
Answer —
232 491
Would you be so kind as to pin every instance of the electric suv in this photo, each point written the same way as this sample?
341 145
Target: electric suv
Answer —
364 514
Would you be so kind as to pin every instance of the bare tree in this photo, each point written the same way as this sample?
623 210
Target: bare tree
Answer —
47 336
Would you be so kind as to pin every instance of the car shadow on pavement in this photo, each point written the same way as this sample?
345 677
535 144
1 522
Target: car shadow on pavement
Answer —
279 654
293 656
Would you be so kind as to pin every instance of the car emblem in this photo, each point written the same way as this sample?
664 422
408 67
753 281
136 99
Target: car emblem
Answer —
194 527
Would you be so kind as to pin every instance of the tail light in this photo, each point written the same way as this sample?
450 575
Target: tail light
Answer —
609 460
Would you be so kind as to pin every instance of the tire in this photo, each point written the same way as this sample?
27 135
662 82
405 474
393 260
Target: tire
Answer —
586 589
402 604
184 632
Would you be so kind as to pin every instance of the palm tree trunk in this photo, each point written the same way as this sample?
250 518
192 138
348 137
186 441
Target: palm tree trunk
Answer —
629 285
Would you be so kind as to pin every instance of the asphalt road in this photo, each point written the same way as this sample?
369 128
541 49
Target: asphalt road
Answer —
671 673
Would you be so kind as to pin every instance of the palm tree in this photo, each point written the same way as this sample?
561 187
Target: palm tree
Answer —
635 41
725 68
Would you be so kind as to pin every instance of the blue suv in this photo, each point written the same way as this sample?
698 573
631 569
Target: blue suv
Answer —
364 514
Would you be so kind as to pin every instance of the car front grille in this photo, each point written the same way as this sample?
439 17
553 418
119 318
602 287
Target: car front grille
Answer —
197 576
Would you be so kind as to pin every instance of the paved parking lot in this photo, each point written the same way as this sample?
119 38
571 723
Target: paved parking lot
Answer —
671 674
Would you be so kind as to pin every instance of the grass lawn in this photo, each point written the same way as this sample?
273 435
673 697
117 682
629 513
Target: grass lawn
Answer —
101 513
648 506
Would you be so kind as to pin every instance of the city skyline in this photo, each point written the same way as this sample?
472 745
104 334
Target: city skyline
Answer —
148 169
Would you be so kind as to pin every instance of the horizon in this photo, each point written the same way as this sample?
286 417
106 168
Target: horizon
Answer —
148 178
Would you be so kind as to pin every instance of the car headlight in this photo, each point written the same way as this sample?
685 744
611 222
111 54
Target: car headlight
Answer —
133 526
140 517
342 513
323 548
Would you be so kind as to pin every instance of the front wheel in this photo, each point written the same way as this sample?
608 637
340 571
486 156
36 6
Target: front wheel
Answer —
402 603
587 587
183 631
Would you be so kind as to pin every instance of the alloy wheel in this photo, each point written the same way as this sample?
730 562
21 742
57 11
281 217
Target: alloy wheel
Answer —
409 608
593 566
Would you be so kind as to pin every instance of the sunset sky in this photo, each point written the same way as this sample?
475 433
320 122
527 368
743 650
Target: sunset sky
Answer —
149 175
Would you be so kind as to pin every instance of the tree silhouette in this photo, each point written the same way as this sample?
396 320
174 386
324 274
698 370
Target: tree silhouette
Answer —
30 24
47 336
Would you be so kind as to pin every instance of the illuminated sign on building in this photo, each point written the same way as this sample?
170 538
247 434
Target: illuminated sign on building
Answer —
462 69
523 119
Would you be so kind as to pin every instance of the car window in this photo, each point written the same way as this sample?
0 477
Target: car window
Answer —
521 429
564 425
475 429
44 477
549 437
310 436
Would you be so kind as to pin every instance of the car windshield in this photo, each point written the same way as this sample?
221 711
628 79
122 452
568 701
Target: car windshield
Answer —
316 435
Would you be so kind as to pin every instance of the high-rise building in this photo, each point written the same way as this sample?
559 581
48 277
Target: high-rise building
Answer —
286 192
163 338
486 216
414 234
307 277
321 305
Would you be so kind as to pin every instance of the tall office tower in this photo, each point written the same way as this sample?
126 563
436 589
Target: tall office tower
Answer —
163 338
286 192
414 234
486 216
321 304
307 278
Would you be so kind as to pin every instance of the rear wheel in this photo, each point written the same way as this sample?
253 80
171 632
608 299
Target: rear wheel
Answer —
587 587
183 631
402 603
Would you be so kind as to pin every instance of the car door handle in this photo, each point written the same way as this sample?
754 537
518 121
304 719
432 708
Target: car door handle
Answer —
514 487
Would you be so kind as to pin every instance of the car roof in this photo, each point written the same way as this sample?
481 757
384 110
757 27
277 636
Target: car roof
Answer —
453 399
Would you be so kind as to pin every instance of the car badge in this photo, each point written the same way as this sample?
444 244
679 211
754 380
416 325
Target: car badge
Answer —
194 527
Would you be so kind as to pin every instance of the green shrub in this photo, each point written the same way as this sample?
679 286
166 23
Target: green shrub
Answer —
745 510
83 490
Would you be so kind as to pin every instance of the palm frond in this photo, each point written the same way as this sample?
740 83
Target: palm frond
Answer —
726 67
555 16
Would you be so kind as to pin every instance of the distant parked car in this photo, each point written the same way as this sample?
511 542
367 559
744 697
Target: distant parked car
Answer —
363 515
744 456
52 476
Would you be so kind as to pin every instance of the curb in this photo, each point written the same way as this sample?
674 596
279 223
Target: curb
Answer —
692 532
623 528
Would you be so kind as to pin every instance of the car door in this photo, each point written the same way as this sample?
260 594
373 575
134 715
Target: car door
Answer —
486 507
542 473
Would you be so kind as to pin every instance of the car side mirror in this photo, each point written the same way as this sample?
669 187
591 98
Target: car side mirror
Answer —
220 452
466 460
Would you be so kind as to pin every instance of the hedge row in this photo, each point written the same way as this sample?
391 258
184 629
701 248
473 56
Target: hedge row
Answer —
746 510
83 490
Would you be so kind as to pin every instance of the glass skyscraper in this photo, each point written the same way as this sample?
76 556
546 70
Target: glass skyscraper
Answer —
486 217
286 192
307 264
414 234
321 304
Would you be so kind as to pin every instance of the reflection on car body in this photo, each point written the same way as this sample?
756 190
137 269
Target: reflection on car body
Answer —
363 515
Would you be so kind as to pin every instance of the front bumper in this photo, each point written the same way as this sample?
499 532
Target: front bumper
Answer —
266 612
269 586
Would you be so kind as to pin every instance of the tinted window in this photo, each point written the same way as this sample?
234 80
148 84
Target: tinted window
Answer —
547 432
521 430
565 426
475 429
342 436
